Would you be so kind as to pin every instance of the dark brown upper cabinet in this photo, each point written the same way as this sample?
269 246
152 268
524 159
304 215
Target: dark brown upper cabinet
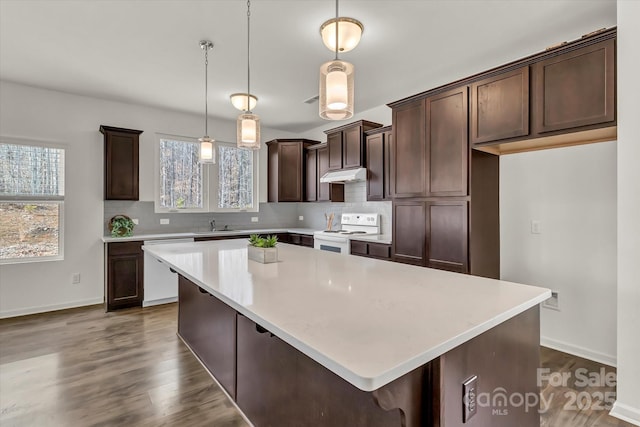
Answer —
286 169
500 107
311 175
378 143
447 143
408 152
346 145
333 192
575 89
121 170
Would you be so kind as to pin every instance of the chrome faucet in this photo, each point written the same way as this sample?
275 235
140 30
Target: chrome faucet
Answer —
213 224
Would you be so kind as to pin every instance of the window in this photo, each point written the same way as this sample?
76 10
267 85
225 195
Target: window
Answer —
31 202
184 185
181 176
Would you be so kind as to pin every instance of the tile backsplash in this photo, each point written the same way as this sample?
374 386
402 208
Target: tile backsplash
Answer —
271 215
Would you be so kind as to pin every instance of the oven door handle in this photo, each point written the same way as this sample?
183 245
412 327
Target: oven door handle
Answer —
332 239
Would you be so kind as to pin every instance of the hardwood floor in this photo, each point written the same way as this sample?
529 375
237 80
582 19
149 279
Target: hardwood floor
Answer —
84 367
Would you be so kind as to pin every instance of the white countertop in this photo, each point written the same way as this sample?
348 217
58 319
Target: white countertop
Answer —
158 236
369 321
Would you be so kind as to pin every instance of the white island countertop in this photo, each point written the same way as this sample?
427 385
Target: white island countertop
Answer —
369 321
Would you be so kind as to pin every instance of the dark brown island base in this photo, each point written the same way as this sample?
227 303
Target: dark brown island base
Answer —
276 385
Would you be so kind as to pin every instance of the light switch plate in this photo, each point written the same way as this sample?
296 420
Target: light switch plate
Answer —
164 221
254 219
469 398
300 218
536 226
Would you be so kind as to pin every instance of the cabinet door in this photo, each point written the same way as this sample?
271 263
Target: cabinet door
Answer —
500 107
447 143
290 172
409 232
375 167
352 153
125 275
447 235
379 250
575 89
408 167
208 326
323 167
311 174
121 165
388 150
334 146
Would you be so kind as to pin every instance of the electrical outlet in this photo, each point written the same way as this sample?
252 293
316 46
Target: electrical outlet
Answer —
554 302
469 398
75 278
300 218
164 221
135 221
254 219
536 226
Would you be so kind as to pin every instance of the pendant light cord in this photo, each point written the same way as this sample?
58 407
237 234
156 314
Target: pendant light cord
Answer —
337 47
206 90
248 56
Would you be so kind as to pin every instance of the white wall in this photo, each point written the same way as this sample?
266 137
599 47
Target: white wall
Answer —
72 120
380 114
572 192
627 405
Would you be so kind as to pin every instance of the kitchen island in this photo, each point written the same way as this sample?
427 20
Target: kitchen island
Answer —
325 339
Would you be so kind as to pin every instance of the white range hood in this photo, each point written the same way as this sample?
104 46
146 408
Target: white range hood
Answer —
350 175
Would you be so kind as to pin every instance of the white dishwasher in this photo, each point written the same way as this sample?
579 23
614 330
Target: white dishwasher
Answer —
160 283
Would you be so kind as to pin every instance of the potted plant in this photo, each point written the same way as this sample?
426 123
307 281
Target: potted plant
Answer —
121 226
263 249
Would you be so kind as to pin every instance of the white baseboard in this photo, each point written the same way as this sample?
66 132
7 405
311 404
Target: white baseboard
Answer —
159 301
585 353
626 413
46 308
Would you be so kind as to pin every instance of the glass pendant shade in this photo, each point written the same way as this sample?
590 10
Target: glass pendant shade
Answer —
336 90
207 153
349 33
248 131
239 100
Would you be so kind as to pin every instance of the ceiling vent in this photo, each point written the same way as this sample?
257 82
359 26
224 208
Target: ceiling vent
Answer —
312 99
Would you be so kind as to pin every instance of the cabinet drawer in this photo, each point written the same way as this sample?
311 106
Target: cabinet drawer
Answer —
378 250
124 248
358 248
306 241
294 239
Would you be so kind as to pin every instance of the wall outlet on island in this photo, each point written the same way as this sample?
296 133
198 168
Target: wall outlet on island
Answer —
300 218
536 226
254 219
164 221
75 278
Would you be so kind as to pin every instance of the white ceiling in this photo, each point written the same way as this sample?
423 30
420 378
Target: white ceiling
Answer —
147 51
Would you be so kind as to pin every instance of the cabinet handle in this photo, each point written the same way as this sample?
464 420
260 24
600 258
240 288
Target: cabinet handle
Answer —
172 270
202 291
262 330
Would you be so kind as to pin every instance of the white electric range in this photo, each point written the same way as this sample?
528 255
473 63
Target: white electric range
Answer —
352 224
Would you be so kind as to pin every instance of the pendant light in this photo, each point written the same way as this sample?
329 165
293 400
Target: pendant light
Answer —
350 33
207 145
248 123
336 85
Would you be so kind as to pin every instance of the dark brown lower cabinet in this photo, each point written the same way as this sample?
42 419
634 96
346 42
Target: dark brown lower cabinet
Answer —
301 239
409 232
208 326
280 386
371 250
125 275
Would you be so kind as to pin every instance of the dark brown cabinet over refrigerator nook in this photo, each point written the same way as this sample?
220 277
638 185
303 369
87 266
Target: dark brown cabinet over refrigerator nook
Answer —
121 170
447 141
287 169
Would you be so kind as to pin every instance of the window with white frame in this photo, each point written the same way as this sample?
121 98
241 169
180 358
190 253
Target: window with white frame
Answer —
31 202
184 185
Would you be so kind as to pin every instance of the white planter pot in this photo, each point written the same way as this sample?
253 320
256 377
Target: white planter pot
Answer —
263 255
